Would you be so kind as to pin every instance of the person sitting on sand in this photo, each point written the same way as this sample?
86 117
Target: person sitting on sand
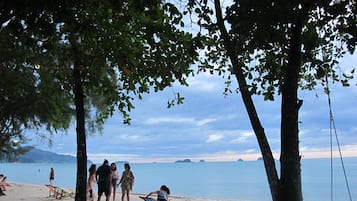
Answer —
3 184
162 194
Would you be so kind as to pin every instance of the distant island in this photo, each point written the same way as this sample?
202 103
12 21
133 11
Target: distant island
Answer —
240 160
121 162
41 156
183 161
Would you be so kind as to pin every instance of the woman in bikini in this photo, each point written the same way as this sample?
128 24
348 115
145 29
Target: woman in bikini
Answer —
127 181
90 184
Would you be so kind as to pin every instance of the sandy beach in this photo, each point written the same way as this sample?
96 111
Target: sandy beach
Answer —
30 192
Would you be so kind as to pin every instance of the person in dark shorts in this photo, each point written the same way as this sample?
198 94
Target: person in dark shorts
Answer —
103 176
115 179
52 179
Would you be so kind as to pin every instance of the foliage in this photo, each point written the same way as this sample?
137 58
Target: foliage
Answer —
127 48
113 50
259 31
277 47
25 102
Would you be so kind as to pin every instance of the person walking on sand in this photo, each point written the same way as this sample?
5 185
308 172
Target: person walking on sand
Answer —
91 181
114 179
52 179
162 194
103 175
127 181
52 176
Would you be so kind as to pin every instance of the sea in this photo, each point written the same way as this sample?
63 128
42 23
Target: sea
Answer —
322 179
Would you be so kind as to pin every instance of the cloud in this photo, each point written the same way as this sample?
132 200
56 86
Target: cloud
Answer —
205 121
174 120
214 138
325 152
183 131
251 151
205 82
127 137
243 137
159 120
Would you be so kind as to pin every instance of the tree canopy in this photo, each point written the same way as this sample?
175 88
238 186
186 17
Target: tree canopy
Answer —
260 35
127 48
277 48
98 55
89 59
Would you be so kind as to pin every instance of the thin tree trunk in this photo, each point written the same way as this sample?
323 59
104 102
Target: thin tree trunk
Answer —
81 136
269 162
290 158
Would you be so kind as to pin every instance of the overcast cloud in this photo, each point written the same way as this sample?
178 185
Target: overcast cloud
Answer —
211 127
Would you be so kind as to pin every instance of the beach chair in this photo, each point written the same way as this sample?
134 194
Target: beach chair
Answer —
146 198
52 190
59 192
65 194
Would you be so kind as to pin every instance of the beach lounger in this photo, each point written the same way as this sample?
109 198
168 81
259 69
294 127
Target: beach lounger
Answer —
146 198
59 192
66 194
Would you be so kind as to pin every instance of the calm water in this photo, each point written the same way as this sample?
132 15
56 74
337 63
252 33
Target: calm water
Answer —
224 180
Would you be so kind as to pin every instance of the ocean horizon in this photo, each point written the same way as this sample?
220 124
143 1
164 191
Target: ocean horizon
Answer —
243 180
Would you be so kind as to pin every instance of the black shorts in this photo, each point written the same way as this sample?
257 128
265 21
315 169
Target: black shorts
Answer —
114 182
103 188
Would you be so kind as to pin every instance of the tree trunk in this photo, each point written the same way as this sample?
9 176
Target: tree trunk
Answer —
269 162
290 158
81 182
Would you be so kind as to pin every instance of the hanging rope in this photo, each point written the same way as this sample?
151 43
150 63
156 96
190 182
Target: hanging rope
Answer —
333 128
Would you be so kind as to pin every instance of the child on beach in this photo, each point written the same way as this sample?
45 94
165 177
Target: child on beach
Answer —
162 194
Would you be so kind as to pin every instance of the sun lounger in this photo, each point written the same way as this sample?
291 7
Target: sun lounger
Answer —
146 198
59 192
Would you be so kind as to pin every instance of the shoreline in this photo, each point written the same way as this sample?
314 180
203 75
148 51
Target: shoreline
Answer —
34 192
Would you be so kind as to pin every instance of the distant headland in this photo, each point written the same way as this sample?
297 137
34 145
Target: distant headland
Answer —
41 156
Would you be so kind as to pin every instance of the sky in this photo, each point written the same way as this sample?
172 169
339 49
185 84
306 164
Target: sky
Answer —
212 127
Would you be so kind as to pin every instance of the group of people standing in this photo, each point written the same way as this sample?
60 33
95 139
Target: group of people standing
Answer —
108 179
